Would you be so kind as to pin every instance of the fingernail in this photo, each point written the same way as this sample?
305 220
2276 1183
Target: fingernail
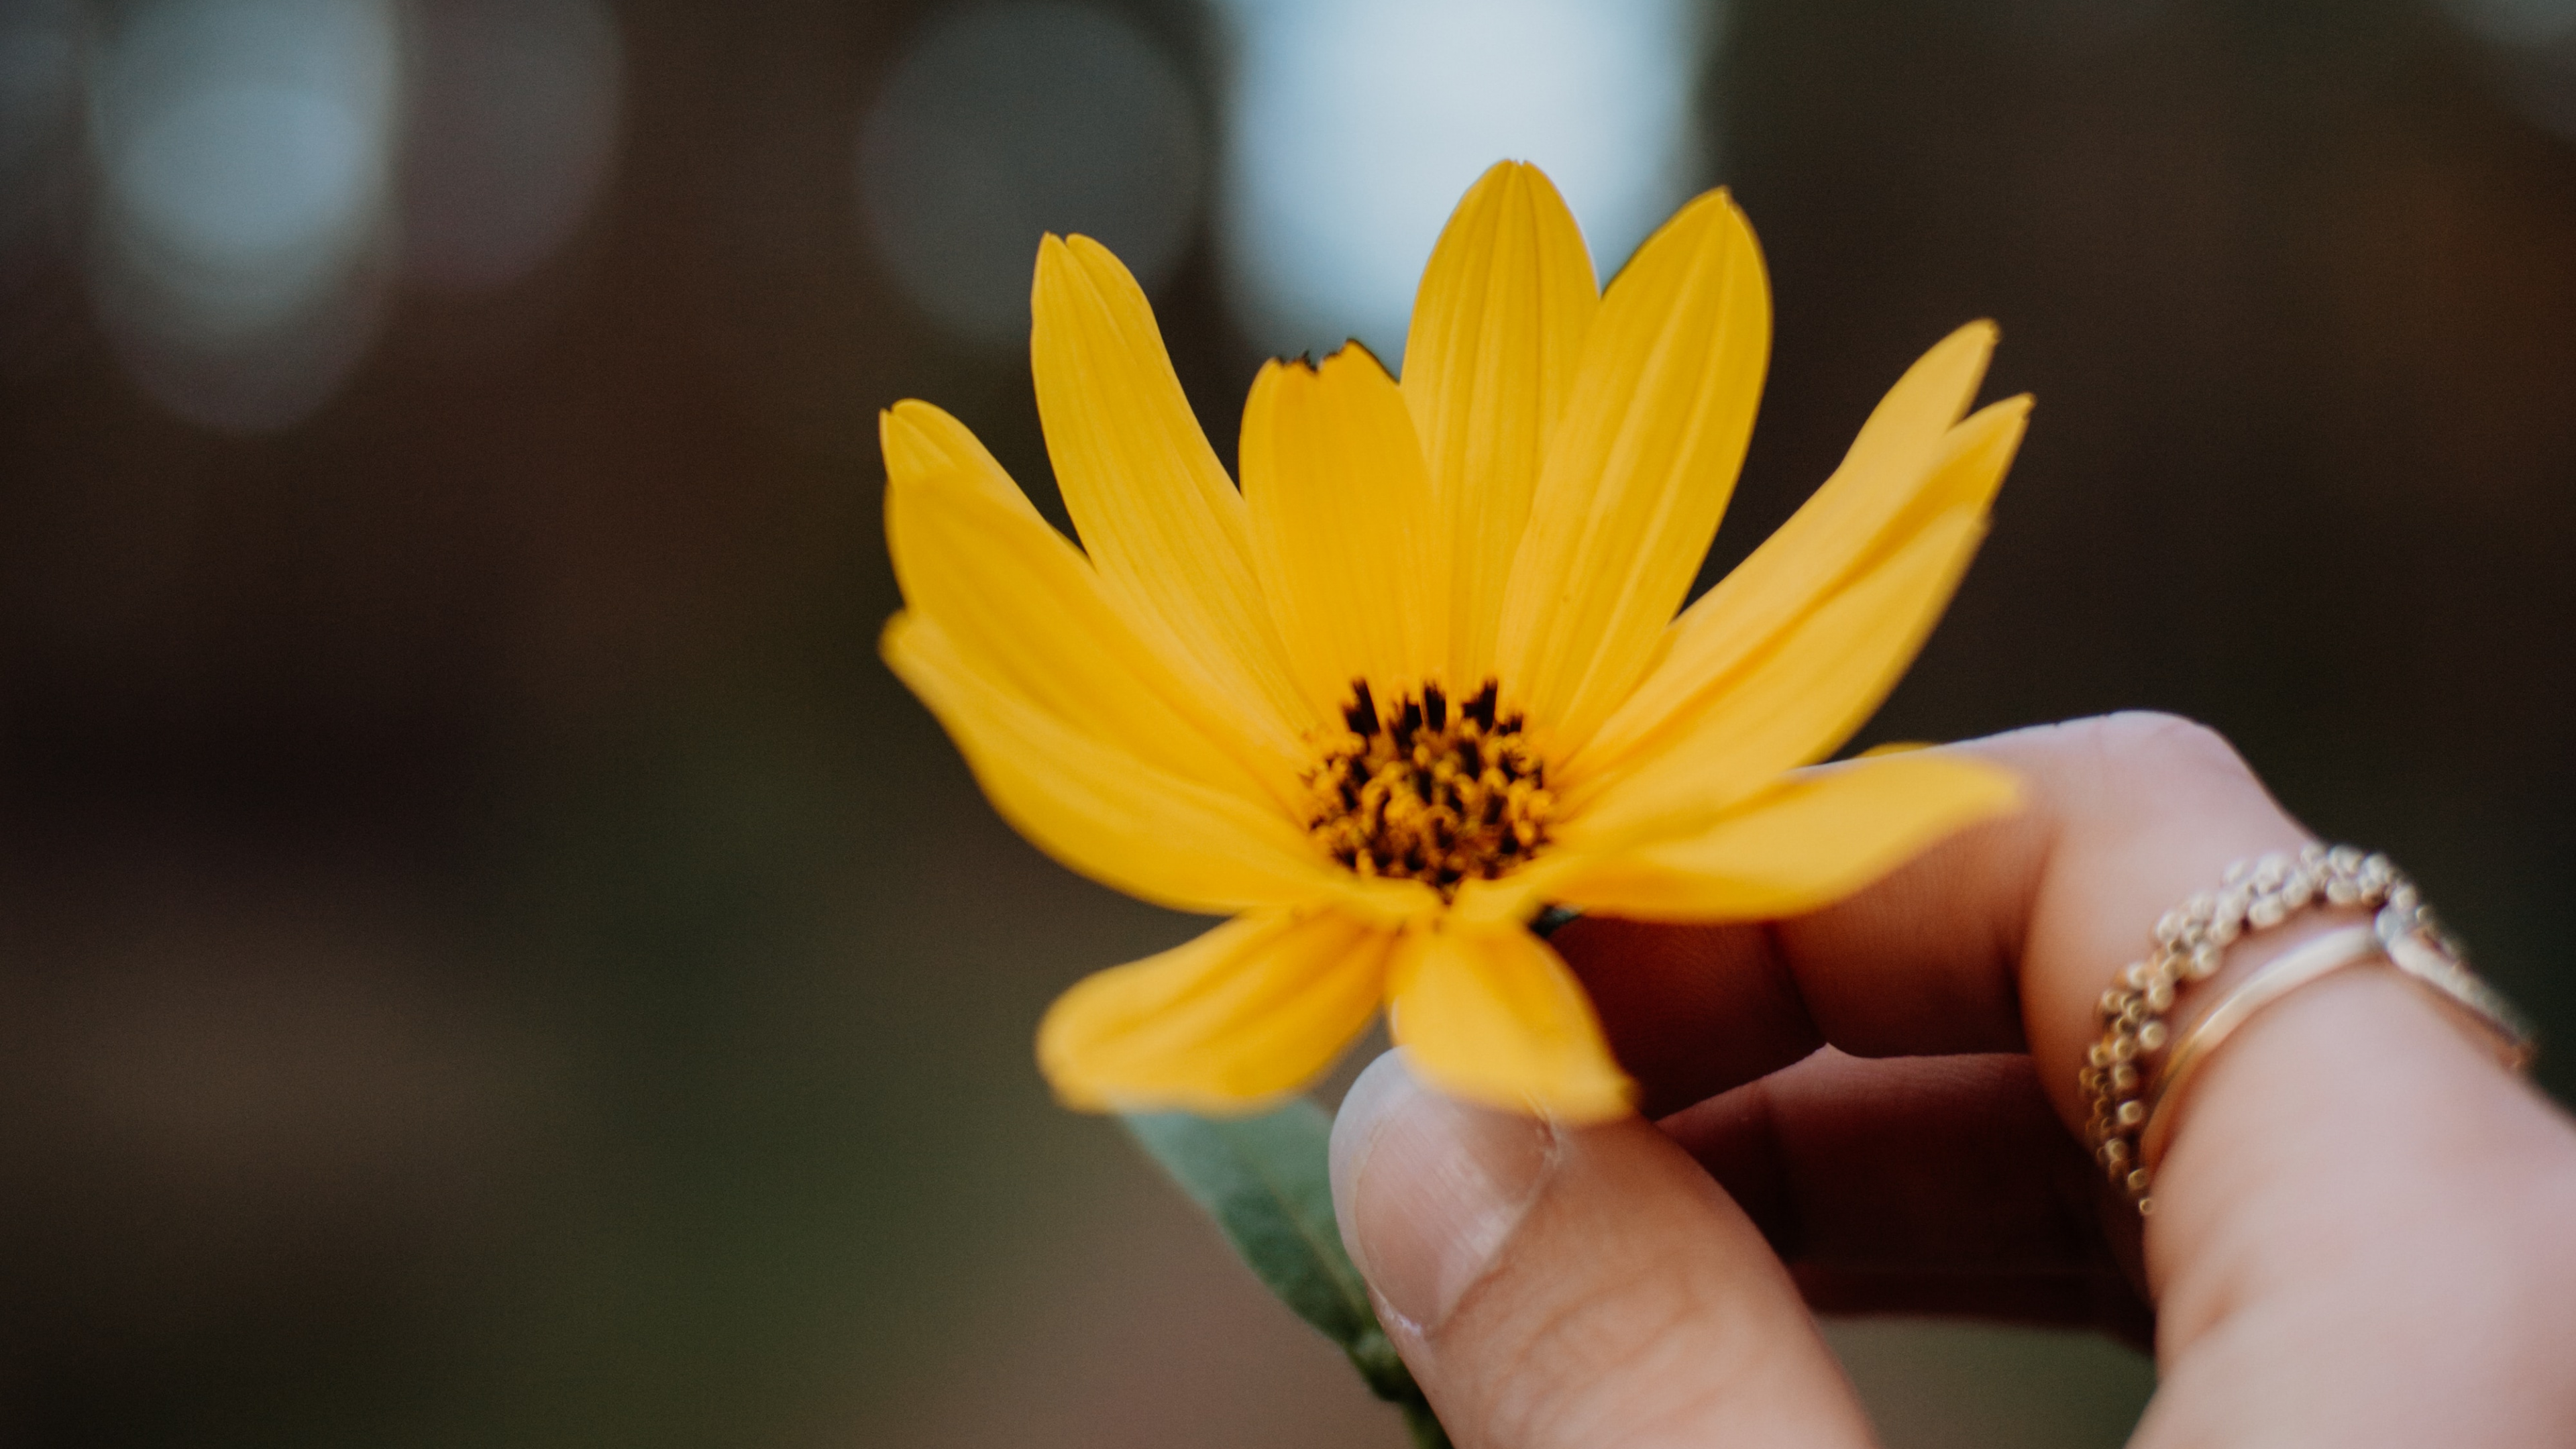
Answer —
1428 1190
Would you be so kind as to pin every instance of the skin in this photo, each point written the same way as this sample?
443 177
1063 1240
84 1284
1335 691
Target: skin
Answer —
2365 1230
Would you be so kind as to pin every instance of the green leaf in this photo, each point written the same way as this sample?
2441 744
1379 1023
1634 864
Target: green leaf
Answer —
1267 1181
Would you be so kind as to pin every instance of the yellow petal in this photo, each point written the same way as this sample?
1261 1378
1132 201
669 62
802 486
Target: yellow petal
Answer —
1023 609
1491 1015
1341 526
1910 463
1156 512
1816 839
1971 465
1638 470
1225 1023
1498 326
921 441
1513 899
1122 819
1793 705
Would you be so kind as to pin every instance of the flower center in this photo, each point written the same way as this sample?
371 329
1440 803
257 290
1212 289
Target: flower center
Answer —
1430 791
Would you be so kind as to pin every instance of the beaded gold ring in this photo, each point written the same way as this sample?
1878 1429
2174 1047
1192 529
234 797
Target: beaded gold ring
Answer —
2127 1076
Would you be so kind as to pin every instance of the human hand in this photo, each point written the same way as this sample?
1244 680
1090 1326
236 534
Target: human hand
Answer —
2365 1232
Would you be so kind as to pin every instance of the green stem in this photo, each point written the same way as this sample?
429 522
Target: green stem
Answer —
1427 1433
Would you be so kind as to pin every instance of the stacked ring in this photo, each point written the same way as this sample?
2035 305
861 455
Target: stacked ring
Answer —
2129 1077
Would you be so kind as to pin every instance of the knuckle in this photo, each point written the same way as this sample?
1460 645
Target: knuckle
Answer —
2151 746
2139 768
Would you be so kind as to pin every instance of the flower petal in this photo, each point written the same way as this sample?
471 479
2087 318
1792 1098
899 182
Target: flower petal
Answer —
1023 609
1254 1008
1498 327
1817 838
1342 526
1909 463
920 440
1155 510
1492 1015
1969 469
1122 819
1639 468
1793 705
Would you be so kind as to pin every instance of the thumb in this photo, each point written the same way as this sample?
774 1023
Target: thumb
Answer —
1552 1286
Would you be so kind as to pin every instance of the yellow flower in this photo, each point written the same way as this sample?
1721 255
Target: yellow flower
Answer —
1422 674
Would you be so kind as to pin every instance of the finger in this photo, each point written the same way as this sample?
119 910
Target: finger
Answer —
1690 1011
1918 1185
1553 1287
2361 1236
2000 939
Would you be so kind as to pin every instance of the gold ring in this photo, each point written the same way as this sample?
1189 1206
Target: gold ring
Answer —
2128 1076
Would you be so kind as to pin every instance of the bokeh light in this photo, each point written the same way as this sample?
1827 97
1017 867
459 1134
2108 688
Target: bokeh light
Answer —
2531 51
243 149
513 124
1355 124
39 83
1003 122
37 73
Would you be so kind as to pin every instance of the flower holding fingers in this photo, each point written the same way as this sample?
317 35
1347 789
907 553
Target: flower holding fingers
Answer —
1428 670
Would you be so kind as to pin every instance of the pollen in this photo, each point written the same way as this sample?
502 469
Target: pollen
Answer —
1423 789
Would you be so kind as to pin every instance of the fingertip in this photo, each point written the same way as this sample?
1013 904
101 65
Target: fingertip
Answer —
1552 1286
1427 1189
1378 1090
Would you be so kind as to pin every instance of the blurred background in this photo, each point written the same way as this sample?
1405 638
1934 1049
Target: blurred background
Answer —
487 955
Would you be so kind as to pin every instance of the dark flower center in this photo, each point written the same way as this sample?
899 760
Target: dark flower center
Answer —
1423 789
